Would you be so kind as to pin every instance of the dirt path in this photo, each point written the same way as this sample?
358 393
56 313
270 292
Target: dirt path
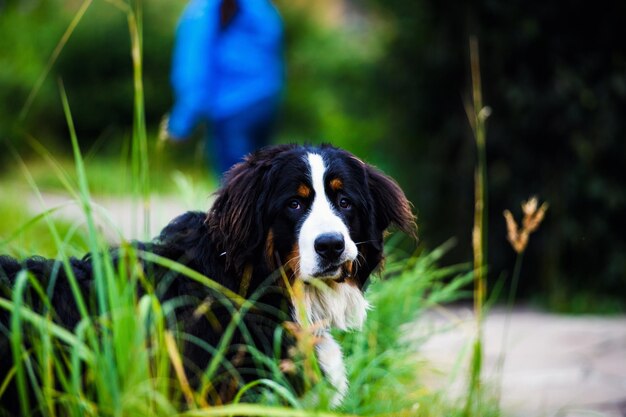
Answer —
555 365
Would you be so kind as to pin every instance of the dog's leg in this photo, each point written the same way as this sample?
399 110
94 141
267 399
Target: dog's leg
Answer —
330 358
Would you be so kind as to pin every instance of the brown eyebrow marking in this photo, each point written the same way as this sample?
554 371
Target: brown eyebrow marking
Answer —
304 191
336 184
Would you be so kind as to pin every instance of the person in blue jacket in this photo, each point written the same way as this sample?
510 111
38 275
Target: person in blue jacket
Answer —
227 69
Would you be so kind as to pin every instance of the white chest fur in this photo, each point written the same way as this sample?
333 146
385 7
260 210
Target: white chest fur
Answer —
341 306
330 359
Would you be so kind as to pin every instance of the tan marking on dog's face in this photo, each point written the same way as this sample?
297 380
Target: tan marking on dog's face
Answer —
336 184
346 281
348 268
350 281
292 263
304 191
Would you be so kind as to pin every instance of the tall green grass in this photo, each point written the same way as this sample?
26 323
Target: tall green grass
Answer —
477 115
478 399
122 359
130 366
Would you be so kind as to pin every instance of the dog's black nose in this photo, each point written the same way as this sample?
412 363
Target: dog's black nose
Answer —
330 246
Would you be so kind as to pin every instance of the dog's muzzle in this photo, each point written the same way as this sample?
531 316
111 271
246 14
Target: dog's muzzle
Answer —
334 263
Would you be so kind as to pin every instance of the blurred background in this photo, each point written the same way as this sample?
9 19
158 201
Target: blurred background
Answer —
387 80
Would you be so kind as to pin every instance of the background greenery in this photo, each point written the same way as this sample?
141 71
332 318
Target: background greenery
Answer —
387 79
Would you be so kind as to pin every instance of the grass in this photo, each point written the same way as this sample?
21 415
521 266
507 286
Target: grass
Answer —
384 371
32 235
23 227
131 363
477 114
128 364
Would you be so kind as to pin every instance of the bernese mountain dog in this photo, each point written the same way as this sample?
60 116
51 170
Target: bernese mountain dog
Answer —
285 215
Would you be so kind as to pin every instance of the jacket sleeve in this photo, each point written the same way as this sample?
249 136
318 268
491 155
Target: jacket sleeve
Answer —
191 74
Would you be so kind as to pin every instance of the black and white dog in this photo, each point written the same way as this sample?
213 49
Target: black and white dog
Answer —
318 214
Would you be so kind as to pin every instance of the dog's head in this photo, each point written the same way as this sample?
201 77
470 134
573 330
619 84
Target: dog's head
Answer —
319 212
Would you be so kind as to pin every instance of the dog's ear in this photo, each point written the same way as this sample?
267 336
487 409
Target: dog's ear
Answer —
236 219
390 204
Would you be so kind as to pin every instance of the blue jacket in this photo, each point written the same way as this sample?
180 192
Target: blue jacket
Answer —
217 73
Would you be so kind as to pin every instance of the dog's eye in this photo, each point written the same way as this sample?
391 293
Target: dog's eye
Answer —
345 204
294 204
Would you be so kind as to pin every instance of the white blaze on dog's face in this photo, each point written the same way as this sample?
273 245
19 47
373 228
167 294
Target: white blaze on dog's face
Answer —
324 240
326 251
325 247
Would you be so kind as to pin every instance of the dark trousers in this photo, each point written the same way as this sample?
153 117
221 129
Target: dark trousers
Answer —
235 136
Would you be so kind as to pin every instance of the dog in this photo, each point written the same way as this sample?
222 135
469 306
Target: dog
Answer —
285 215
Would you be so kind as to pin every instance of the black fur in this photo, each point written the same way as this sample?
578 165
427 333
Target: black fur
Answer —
246 235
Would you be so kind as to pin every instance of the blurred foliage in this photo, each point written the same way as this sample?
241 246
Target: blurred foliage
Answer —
330 93
387 79
95 66
556 82
27 36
